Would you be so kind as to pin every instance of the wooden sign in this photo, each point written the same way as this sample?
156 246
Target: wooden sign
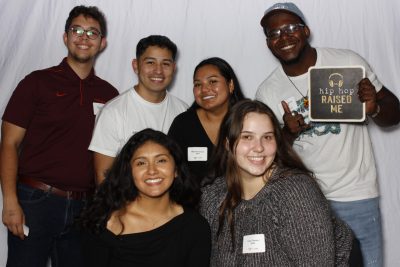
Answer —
333 94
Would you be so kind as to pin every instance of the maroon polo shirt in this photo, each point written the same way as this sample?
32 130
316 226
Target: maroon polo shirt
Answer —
56 108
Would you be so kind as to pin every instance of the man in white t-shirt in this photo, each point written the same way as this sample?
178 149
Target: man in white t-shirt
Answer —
146 105
340 154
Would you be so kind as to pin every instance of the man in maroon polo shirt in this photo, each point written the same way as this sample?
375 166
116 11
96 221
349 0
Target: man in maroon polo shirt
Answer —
46 168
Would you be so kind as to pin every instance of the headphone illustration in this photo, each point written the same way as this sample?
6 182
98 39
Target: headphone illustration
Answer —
335 79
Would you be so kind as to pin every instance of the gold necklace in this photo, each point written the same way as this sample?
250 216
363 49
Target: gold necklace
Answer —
305 97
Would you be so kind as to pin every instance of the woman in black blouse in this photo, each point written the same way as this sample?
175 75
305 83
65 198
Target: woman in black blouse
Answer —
215 89
142 215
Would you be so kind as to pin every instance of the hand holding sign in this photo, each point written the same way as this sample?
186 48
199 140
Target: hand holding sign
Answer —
367 95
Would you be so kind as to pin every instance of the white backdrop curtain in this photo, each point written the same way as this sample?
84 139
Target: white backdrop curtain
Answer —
31 39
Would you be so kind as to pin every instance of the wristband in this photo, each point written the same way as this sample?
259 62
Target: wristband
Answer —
378 109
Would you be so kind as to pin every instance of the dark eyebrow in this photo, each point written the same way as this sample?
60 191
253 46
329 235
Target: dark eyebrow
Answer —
250 132
156 156
153 58
90 28
211 76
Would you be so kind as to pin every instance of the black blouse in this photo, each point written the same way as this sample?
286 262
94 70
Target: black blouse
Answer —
183 241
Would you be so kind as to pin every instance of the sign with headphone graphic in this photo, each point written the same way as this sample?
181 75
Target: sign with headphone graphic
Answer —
335 79
333 94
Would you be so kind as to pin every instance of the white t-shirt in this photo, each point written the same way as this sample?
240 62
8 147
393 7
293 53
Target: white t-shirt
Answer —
339 154
128 114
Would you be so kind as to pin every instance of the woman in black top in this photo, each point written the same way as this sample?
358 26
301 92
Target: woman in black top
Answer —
215 89
141 214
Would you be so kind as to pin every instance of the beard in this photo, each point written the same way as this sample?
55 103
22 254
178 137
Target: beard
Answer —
81 59
301 55
292 61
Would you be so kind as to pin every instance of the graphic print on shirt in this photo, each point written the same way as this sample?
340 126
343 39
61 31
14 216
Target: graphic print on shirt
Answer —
317 128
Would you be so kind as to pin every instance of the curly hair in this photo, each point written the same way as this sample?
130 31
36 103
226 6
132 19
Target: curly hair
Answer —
118 189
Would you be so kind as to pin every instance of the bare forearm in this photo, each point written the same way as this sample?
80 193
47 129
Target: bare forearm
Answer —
99 176
9 166
102 164
13 215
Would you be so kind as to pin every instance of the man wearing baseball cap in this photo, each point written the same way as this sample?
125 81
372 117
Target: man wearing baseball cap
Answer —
339 154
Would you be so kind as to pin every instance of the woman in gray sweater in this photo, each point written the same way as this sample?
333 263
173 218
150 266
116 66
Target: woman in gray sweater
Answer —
264 207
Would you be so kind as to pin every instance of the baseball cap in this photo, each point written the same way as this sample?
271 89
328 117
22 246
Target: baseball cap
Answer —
286 7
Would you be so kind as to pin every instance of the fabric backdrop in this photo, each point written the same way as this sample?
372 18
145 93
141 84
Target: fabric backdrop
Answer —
31 39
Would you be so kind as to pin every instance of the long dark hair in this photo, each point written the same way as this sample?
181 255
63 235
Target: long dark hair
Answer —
224 161
227 72
118 189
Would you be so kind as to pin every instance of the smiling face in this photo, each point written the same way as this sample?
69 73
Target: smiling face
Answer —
289 46
153 170
155 69
256 146
81 49
210 89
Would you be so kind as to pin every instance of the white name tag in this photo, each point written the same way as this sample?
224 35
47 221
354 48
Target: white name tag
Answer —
197 153
97 107
254 243
26 229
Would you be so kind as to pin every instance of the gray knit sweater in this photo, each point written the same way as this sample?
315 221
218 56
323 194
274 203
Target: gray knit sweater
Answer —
294 216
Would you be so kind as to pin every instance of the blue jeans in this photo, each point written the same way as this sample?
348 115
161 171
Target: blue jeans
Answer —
363 217
51 235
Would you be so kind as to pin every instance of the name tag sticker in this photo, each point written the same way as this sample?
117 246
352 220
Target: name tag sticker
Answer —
97 107
197 153
25 229
254 243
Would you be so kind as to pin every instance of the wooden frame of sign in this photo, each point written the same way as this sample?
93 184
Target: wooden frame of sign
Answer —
333 94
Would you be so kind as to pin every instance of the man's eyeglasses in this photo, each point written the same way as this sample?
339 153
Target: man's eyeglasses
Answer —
92 34
288 29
